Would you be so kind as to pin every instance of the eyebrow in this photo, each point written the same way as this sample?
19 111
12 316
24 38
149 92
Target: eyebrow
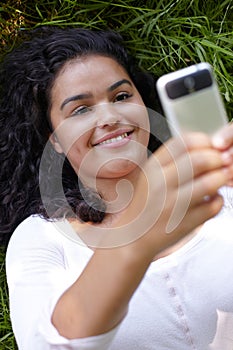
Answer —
119 83
88 95
74 98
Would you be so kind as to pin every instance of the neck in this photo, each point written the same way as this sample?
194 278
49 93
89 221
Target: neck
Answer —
116 192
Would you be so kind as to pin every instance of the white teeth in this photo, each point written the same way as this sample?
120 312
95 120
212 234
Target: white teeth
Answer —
114 139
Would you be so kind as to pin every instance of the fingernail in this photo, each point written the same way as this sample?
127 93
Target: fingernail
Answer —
218 142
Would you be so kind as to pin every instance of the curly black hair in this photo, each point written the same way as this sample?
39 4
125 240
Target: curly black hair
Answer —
26 78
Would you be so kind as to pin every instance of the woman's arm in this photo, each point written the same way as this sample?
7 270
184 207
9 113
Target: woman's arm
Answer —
172 178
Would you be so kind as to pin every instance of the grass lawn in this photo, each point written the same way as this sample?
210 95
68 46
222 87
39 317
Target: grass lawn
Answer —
164 35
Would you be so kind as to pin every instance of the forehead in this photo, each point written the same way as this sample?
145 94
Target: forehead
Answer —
89 74
91 65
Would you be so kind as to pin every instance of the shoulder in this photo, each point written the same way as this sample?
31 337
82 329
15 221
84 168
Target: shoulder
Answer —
35 230
34 238
37 240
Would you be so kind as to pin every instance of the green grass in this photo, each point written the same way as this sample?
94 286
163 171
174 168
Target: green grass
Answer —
178 34
164 35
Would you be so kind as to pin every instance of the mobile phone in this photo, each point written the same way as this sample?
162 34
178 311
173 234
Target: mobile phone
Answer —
191 100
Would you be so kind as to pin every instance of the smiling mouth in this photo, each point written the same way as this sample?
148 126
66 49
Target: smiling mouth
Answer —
115 139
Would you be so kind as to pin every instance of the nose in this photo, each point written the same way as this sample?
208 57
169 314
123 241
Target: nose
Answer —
106 115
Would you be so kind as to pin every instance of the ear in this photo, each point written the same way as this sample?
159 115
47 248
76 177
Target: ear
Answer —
56 145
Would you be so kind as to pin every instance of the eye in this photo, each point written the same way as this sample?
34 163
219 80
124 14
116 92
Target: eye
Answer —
122 96
80 110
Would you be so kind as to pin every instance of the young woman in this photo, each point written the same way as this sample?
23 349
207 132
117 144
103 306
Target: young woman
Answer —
117 243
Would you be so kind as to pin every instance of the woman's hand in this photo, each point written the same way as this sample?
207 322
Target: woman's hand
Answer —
185 186
223 141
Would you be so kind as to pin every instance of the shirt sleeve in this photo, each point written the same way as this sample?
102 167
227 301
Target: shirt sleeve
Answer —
37 276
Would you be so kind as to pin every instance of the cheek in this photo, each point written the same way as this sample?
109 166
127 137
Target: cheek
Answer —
144 139
73 136
74 143
81 157
141 117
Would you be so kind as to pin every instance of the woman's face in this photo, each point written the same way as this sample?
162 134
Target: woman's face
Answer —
99 118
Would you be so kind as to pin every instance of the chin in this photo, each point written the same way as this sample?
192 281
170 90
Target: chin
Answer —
117 169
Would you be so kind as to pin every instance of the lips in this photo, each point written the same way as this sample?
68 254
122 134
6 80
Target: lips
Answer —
113 137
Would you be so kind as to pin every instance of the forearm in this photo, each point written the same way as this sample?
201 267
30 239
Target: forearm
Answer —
99 299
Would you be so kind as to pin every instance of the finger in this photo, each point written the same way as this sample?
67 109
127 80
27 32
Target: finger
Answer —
191 165
228 156
223 139
193 216
192 194
207 185
177 146
202 212
230 171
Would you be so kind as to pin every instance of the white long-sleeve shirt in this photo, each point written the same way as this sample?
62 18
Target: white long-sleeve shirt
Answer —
185 300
